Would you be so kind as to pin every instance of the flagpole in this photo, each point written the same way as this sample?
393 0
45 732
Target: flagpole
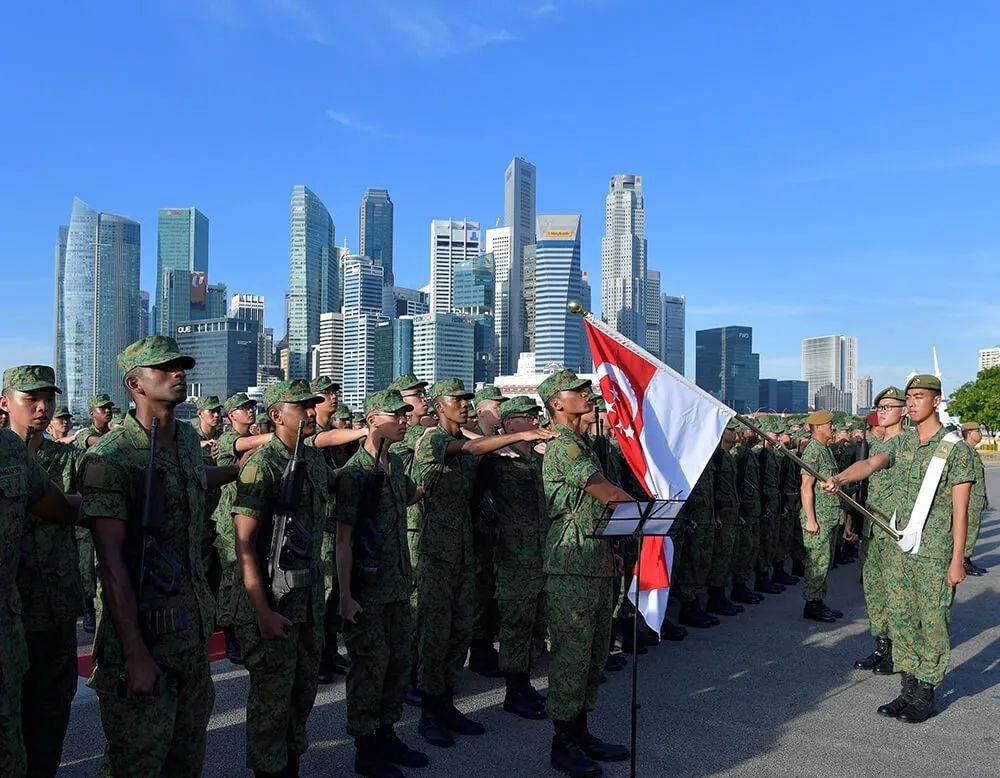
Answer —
635 649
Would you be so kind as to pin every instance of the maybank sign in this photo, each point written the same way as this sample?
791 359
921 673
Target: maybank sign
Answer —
559 233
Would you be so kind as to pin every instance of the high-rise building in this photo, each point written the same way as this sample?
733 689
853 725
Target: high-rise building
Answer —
623 258
225 352
586 300
865 392
411 302
831 359
100 305
60 256
473 282
216 301
444 347
829 398
529 289
399 338
726 366
451 242
181 245
654 314
989 357
500 246
250 307
793 396
672 340
559 334
313 286
519 193
375 229
331 346
767 399
143 314
363 283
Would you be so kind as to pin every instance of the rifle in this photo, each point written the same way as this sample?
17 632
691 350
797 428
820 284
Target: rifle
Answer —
367 538
289 563
602 446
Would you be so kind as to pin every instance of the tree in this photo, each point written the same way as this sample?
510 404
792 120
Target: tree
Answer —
979 400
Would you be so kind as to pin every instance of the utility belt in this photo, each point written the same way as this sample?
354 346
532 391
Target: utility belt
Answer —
158 621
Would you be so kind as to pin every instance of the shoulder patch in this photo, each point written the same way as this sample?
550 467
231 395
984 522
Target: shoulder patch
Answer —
95 474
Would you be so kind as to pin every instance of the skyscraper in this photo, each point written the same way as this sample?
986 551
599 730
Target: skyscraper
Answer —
444 347
519 191
225 351
672 321
623 258
500 246
313 285
143 314
559 333
654 314
60 255
530 291
250 307
831 359
375 229
181 245
100 304
989 357
363 282
331 346
473 280
863 397
451 242
726 366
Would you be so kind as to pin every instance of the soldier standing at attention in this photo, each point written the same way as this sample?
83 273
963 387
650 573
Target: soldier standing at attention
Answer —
747 541
770 515
208 424
47 579
61 424
579 571
727 509
789 480
880 552
922 586
695 560
821 515
444 466
233 443
101 409
373 564
282 639
151 670
978 501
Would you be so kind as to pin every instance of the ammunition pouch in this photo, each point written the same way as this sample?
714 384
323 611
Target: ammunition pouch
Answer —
159 621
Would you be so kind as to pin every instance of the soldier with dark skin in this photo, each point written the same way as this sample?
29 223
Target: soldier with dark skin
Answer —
207 423
101 409
375 604
151 669
47 580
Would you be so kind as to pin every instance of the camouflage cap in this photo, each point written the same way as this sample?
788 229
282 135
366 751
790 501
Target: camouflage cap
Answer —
969 426
518 404
819 417
30 378
61 412
451 387
892 393
238 400
358 416
296 391
473 413
99 401
924 381
407 381
386 401
343 412
262 418
732 424
153 351
561 381
488 392
324 384
208 403
118 417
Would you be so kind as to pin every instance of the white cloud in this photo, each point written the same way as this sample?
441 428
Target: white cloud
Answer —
431 33
352 123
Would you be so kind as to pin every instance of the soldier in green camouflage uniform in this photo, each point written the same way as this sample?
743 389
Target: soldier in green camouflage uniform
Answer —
375 604
61 425
727 511
282 641
978 501
790 483
922 584
770 515
579 570
515 481
820 517
151 670
47 579
693 561
208 424
748 539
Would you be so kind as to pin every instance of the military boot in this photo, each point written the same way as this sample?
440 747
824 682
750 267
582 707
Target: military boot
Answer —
921 705
719 603
693 616
779 576
568 757
625 629
743 593
977 568
765 585
484 659
596 748
234 652
412 694
614 663
292 765
816 611
671 631
367 760
798 568
883 648
331 663
455 720
969 568
432 727
89 618
898 705
518 701
392 749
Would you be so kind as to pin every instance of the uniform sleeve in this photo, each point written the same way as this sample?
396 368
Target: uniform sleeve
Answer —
811 456
104 487
428 457
38 481
576 467
961 467
890 450
348 493
227 449
253 489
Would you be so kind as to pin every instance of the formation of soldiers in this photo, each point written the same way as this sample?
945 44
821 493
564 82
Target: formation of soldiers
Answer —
421 531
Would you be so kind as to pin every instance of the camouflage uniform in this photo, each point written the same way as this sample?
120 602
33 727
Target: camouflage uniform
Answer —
209 541
770 514
225 531
144 738
748 484
87 558
790 480
22 483
819 545
919 596
379 643
727 511
284 674
698 517
51 601
878 550
977 504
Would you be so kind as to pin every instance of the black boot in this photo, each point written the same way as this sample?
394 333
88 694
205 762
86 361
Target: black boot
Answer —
779 576
234 652
331 663
979 570
816 611
765 585
743 593
517 699
266 774
367 760
596 748
392 749
883 647
412 694
292 765
567 756
614 663
834 612
432 727
625 629
693 616
484 659
89 618
457 721
719 603
798 568
921 705
895 707
671 631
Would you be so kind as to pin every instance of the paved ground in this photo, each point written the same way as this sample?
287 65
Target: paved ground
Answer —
767 693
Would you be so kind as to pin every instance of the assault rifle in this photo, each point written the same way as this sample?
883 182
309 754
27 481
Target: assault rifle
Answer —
289 563
366 536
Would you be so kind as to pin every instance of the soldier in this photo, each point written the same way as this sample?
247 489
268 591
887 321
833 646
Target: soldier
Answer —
47 579
922 585
151 670
262 425
880 552
748 486
486 403
770 514
789 482
821 514
233 443
208 424
117 419
444 466
101 408
4 420
358 421
698 520
978 501
61 424
579 570
373 564
282 639
515 481
727 511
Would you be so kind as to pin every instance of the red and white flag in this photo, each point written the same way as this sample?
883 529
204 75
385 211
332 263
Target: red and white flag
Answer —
668 429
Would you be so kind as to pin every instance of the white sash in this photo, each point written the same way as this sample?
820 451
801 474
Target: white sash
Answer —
910 540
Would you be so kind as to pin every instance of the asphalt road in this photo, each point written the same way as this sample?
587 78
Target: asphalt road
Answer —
767 693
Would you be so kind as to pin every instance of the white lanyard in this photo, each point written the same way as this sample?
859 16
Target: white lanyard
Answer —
910 540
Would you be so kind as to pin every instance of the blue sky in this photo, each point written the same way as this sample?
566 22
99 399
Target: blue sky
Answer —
809 168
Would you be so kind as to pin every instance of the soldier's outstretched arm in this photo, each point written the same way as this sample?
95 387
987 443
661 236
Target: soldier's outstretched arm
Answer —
251 442
600 488
328 438
859 471
221 475
488 444
58 508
